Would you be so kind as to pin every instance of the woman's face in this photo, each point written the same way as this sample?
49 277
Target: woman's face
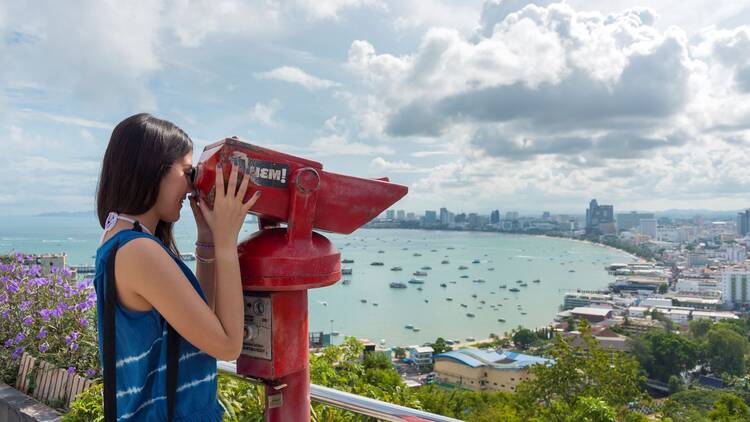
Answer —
174 188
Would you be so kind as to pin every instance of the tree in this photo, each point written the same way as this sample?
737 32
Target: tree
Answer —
663 354
609 376
729 408
663 288
698 328
399 352
675 384
523 338
726 350
439 346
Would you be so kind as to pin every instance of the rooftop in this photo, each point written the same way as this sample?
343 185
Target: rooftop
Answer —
587 310
476 358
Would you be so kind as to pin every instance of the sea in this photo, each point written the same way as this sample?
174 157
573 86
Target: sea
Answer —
365 306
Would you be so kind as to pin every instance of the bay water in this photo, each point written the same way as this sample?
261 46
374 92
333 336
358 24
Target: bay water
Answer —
560 265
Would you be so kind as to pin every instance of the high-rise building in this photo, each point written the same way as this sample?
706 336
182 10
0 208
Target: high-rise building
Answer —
631 220
400 215
734 286
599 218
444 214
495 217
430 217
647 227
511 215
390 215
743 223
460 218
473 219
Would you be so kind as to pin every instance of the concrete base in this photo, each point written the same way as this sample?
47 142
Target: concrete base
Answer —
16 406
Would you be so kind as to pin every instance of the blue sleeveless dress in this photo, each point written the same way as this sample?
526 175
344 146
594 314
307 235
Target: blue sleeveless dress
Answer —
141 355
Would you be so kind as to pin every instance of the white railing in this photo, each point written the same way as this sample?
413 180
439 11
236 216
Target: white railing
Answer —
354 403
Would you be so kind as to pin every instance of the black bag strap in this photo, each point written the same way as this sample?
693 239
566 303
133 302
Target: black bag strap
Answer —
173 348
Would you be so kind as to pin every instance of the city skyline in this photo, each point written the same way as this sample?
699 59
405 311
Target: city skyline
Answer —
468 103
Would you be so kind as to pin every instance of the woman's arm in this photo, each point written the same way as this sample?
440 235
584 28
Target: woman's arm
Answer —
206 271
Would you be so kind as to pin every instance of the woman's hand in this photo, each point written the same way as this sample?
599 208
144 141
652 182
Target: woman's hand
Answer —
228 214
204 231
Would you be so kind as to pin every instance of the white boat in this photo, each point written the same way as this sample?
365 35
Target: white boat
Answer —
463 267
347 261
187 256
396 268
409 326
346 271
420 273
416 281
397 285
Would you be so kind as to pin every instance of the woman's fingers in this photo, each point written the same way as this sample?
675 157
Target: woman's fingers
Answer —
232 186
243 187
220 193
250 202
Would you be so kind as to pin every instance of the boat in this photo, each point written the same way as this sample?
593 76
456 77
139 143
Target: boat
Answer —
420 273
445 261
450 248
363 300
482 302
323 302
381 251
433 250
416 281
426 268
501 320
449 299
452 282
84 269
419 288
397 285
571 271
377 264
417 254
503 286
426 301
374 303
347 261
184 256
396 269
524 285
470 315
463 267
476 261
443 285
346 282
474 296
416 329
536 280
479 280
519 281
463 305
513 289
491 269
470 339
346 271
464 276
408 326
523 313
335 333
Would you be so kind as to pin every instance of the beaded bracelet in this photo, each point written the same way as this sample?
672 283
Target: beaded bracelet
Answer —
204 245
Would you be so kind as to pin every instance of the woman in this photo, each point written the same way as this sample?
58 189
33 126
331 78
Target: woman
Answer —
145 177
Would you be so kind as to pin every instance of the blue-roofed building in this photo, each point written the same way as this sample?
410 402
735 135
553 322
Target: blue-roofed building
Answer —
485 370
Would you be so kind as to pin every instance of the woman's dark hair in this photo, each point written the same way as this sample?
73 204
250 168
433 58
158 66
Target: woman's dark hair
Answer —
141 151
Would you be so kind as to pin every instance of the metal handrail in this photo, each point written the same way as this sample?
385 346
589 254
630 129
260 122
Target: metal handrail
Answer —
353 402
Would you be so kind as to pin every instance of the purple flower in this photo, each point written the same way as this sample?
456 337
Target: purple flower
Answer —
90 372
17 353
12 287
3 298
43 347
35 269
19 257
42 333
8 343
5 313
74 346
25 304
83 322
45 313
20 337
71 370
28 320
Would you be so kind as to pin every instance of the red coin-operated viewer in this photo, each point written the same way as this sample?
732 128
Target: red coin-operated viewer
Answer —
279 264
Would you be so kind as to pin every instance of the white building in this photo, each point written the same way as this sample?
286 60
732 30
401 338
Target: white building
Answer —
735 254
713 316
648 227
657 302
734 286
679 316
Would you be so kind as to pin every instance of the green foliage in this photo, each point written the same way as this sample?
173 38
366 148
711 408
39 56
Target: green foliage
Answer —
523 338
701 404
698 328
663 288
675 384
608 376
663 354
726 350
439 346
89 407
243 401
52 317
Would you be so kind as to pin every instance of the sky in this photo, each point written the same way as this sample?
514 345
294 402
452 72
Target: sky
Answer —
474 105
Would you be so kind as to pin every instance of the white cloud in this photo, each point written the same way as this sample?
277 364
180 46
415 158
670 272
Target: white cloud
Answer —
323 9
379 164
296 75
338 144
264 113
